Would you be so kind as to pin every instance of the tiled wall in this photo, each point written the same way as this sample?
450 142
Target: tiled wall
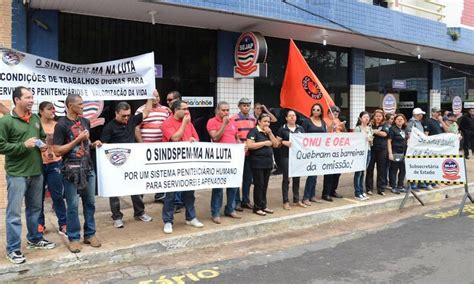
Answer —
365 18
232 90
356 103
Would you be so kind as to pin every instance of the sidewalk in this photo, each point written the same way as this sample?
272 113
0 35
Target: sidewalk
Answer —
139 239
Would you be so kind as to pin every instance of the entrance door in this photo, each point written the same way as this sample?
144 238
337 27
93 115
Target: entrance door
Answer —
408 100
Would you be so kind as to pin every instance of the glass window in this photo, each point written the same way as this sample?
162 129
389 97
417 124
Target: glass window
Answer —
456 83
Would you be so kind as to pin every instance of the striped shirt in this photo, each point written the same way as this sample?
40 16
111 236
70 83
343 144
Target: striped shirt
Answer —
150 128
244 124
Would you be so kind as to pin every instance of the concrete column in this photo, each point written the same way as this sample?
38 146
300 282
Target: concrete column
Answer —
435 87
357 85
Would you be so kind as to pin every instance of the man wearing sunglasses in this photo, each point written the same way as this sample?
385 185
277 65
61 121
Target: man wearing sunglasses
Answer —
122 130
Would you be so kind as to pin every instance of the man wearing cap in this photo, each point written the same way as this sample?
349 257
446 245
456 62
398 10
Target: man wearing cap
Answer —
467 130
435 124
245 122
416 122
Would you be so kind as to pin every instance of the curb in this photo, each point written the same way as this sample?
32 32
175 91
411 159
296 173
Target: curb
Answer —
217 236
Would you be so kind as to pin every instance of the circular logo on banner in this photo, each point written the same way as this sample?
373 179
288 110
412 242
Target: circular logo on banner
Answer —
311 88
250 49
389 104
457 105
11 57
450 169
117 156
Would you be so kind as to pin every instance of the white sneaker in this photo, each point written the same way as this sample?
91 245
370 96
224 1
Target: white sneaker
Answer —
145 218
360 198
118 223
168 228
195 223
365 196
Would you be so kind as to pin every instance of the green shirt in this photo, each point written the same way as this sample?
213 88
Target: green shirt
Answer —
19 160
453 128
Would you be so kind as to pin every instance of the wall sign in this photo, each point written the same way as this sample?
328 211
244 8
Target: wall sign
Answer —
406 104
199 101
250 55
399 84
389 104
457 105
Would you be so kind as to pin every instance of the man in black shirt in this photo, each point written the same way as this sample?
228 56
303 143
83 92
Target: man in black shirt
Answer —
467 130
434 124
122 130
71 141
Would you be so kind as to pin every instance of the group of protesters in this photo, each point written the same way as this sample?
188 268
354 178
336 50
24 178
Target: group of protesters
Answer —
42 152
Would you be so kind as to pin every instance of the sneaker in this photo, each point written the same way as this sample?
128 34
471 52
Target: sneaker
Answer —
360 198
145 218
286 206
195 223
402 189
16 257
93 242
41 228
118 223
370 192
395 190
63 230
168 228
365 196
429 187
43 244
74 246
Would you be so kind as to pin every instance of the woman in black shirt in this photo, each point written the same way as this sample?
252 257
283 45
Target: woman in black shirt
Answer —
314 124
260 141
283 137
379 154
397 145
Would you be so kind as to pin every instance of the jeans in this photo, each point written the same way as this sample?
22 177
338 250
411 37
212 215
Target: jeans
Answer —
178 200
394 168
88 208
310 187
260 186
378 156
246 183
138 206
216 201
359 179
54 181
30 189
168 206
330 184
286 182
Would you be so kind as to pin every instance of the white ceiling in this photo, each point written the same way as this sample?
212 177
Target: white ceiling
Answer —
137 10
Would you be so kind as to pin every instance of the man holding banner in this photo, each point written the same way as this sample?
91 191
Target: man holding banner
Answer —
178 127
122 130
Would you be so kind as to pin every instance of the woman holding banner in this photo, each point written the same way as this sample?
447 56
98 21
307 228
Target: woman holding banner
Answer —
378 155
315 124
363 127
283 137
260 141
397 146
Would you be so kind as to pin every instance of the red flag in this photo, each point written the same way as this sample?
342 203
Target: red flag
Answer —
301 88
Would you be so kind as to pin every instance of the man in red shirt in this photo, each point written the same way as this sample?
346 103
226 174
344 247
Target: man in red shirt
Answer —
223 130
176 128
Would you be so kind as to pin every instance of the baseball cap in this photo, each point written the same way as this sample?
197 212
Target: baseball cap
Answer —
245 101
335 109
418 111
436 109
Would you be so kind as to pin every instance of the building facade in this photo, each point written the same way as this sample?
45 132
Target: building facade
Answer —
420 51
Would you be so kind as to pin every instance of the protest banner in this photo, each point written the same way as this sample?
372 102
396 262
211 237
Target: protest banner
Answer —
327 153
142 168
448 169
125 79
420 144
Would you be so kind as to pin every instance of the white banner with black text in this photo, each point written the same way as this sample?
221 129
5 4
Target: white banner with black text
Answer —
420 144
124 79
142 168
327 153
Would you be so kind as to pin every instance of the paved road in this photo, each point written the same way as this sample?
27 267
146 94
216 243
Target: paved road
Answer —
431 248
